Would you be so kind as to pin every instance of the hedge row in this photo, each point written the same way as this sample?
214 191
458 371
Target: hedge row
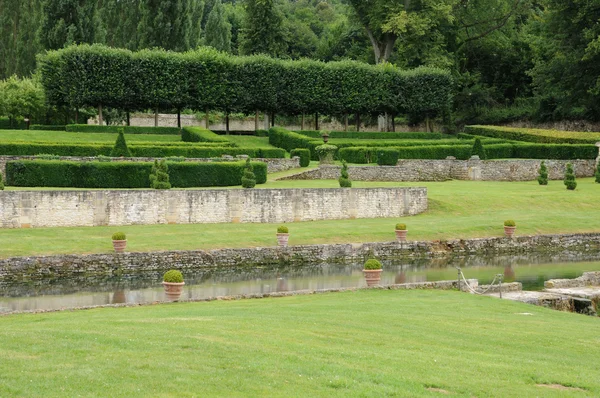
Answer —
199 134
48 173
303 154
27 148
92 75
92 128
47 127
363 155
368 135
16 124
534 135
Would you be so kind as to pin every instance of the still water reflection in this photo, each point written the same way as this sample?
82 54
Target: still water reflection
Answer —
532 271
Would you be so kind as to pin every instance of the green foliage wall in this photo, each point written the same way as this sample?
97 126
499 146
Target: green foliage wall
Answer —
48 173
203 79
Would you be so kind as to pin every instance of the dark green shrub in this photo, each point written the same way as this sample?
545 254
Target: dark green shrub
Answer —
47 127
303 154
597 173
159 176
262 133
1 183
372 263
344 179
510 223
119 236
173 276
51 173
120 148
248 177
326 152
401 227
478 149
570 177
534 135
199 134
543 174
93 128
282 229
387 157
370 135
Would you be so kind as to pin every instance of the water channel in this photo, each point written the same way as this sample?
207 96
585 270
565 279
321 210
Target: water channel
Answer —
530 270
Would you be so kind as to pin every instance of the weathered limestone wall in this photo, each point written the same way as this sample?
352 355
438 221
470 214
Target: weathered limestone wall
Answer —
450 169
273 164
36 268
587 279
23 209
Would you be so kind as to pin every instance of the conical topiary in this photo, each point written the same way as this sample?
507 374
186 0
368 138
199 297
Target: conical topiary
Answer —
543 174
597 173
159 176
570 177
248 178
344 179
478 149
120 148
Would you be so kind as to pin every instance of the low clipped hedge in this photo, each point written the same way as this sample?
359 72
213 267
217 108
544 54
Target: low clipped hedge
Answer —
47 127
387 157
199 134
52 173
303 154
534 135
369 135
92 128
150 150
364 155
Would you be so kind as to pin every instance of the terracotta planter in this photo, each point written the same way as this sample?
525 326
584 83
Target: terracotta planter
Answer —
173 290
282 239
509 231
372 276
401 235
119 245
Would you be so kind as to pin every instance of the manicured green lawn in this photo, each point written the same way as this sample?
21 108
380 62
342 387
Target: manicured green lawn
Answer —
249 141
351 344
68 137
457 209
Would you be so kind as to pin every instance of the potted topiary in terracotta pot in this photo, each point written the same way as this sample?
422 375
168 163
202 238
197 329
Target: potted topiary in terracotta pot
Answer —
119 241
401 232
282 236
372 271
173 284
509 228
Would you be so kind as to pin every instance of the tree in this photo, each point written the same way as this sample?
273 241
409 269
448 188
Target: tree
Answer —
262 31
68 21
478 149
543 174
248 178
218 29
21 98
344 179
597 173
159 176
169 24
570 178
120 149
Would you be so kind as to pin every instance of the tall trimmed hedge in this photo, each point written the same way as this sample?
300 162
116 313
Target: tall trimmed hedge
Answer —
91 128
92 75
50 173
369 135
534 135
199 134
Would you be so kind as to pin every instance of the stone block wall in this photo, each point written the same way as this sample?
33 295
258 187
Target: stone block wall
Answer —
23 209
450 169
274 165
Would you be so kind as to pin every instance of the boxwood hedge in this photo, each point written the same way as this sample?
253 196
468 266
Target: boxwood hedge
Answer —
199 134
369 135
303 154
52 173
534 135
92 128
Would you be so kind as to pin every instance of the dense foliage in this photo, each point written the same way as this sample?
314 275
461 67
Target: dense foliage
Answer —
344 179
569 181
543 174
534 135
48 173
159 175
248 176
303 154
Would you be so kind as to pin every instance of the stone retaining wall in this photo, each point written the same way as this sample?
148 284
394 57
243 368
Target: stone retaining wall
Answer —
24 209
447 169
587 279
43 267
273 164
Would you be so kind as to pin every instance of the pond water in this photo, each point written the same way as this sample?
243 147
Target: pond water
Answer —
80 291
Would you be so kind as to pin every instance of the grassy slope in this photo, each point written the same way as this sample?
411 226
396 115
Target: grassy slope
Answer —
67 137
457 209
365 343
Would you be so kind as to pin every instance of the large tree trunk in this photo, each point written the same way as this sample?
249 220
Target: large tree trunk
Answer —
357 121
128 118
302 122
76 115
227 122
100 119
345 122
178 118
156 117
272 119
256 121
317 121
206 122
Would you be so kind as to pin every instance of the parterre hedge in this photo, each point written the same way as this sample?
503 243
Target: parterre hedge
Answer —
534 135
151 150
199 134
16 124
47 127
51 173
303 154
92 128
369 135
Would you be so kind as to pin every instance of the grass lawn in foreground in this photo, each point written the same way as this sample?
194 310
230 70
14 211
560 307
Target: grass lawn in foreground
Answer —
365 343
457 209
73 138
